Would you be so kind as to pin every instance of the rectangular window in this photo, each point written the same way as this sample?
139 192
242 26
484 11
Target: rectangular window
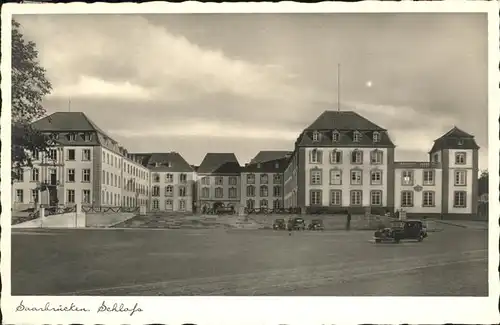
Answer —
71 196
357 157
156 204
250 179
376 157
205 180
19 196
34 195
169 178
71 175
264 179
233 193
428 199
219 180
233 180
182 191
71 154
183 178
376 198
460 178
315 197
250 190
336 157
315 175
356 177
376 177
35 175
86 155
277 179
407 177
205 192
406 198
336 197
335 177
156 178
53 154
315 156
276 191
356 198
20 175
264 191
460 158
219 192
429 177
86 196
460 199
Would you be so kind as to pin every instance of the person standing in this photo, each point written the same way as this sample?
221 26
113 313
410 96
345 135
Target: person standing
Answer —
348 224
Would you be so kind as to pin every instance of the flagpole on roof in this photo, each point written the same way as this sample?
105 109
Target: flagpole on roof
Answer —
338 87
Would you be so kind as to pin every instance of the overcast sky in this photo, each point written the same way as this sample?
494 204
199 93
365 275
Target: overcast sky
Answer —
243 83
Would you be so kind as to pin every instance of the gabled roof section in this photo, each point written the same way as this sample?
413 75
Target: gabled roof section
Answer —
165 162
345 139
219 163
343 120
265 156
455 139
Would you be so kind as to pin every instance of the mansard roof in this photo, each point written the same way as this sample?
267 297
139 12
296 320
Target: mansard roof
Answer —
219 163
345 124
455 139
343 120
164 162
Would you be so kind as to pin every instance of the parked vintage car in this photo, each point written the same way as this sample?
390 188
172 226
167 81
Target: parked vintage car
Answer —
296 224
401 230
279 224
316 224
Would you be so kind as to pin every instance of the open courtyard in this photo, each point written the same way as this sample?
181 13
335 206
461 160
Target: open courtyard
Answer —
149 262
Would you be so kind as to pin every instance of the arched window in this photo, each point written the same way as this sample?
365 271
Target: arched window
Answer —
335 136
250 190
264 179
264 191
376 157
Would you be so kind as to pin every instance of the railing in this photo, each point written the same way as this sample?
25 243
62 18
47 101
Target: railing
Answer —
50 211
98 209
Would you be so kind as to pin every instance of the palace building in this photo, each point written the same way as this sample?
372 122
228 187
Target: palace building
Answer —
342 161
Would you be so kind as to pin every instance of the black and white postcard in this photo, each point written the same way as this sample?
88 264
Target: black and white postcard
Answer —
252 163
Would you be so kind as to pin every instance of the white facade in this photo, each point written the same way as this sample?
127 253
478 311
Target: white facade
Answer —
415 194
172 191
362 169
262 190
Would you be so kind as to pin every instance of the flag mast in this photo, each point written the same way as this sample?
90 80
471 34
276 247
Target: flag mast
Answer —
338 87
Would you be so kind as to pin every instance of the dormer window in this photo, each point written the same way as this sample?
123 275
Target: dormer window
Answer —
335 136
72 137
157 164
87 137
460 142
356 136
376 137
259 165
168 164
315 136
276 165
56 136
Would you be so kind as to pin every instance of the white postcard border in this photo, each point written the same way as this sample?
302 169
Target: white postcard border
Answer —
262 310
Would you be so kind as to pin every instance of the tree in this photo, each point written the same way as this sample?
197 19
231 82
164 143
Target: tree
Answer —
483 183
29 86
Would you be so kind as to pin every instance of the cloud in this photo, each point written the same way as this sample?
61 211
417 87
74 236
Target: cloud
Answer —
127 54
97 88
212 129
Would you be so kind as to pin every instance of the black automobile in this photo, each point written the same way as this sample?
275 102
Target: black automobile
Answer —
279 224
401 230
296 224
316 224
